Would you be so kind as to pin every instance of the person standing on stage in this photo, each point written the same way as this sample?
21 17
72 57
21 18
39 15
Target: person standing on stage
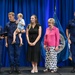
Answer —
33 34
13 49
1 44
70 33
51 43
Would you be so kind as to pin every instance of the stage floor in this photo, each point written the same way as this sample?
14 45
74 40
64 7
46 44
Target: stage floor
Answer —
26 71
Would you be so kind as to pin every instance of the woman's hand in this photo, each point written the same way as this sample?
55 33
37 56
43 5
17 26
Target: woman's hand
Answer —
69 41
6 44
34 43
56 48
30 43
1 37
45 47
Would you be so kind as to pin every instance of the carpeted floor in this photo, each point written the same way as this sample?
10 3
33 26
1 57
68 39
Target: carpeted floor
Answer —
26 71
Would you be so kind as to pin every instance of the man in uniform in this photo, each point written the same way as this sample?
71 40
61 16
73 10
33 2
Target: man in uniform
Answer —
13 49
1 44
70 32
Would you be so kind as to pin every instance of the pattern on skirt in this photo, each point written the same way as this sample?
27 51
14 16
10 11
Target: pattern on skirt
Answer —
51 58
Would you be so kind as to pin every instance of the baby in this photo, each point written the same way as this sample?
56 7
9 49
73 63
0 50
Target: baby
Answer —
20 29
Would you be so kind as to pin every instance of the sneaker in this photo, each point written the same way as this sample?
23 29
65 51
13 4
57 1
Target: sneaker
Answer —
53 71
46 70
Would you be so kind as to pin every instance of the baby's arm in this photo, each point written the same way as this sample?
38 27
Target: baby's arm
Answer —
17 21
22 22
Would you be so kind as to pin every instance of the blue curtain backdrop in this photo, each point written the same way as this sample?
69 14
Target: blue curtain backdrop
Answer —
44 9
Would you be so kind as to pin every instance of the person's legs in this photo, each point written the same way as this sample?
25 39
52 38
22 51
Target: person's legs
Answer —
47 61
0 56
53 60
11 57
17 55
73 56
23 31
14 35
33 65
21 41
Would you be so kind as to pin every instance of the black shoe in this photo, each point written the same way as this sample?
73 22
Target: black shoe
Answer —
73 70
0 71
17 70
11 70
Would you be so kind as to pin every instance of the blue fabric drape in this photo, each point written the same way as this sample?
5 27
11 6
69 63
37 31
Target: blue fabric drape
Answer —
43 9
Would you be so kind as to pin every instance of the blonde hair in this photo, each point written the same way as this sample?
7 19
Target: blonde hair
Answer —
51 20
11 13
20 15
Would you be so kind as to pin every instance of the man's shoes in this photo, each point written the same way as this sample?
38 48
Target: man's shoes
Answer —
73 70
11 70
0 71
17 70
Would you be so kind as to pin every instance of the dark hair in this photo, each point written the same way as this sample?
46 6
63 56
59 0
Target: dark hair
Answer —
29 26
35 18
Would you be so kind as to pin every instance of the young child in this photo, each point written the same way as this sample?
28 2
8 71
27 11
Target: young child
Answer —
20 29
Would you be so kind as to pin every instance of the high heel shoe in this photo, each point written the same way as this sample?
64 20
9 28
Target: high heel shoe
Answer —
32 71
36 71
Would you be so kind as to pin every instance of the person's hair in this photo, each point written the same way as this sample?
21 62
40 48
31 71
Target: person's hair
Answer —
51 20
20 15
11 13
36 21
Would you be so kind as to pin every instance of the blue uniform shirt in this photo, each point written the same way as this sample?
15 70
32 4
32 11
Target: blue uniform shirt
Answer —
71 27
1 30
10 28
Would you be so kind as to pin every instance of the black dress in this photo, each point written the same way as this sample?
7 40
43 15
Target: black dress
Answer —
33 54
